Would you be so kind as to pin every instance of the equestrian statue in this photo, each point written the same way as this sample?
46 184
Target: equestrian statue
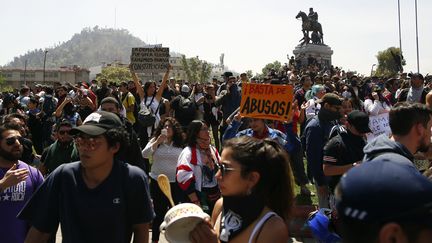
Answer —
310 23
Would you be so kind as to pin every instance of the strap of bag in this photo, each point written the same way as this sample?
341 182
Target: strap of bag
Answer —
123 99
151 102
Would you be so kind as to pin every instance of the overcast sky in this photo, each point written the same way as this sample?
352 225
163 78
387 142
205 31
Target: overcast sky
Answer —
251 33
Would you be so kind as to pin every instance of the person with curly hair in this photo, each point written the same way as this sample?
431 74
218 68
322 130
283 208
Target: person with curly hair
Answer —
165 147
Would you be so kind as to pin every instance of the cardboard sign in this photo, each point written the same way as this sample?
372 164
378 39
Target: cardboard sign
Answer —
379 125
267 101
150 59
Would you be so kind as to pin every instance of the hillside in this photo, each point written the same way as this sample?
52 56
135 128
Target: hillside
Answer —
89 48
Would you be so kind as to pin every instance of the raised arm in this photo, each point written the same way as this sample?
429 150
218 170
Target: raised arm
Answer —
58 112
138 84
163 84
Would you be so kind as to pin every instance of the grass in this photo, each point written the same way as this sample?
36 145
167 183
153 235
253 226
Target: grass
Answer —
303 199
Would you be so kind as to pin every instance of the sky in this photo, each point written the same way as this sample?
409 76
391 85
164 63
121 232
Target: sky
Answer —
250 33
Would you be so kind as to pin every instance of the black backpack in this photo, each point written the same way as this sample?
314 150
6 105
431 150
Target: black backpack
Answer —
187 107
48 107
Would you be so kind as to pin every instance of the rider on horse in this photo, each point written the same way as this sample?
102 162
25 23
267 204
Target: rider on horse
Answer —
313 17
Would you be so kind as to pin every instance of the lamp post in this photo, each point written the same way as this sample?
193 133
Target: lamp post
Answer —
373 65
25 72
418 65
44 66
400 35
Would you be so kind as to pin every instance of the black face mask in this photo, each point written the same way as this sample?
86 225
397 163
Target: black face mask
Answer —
238 213
328 115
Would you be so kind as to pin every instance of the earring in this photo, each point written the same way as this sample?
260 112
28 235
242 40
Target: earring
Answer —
249 191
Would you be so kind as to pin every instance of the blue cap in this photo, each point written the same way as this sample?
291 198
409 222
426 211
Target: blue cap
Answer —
383 190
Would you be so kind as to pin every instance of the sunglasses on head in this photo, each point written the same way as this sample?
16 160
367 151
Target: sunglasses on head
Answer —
12 140
224 169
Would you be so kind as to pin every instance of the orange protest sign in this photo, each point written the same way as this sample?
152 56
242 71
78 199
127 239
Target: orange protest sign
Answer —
267 101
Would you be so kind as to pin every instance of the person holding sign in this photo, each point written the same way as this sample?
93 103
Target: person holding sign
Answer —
378 104
259 129
150 96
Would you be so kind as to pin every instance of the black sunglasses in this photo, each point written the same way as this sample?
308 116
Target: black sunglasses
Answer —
63 132
224 169
10 141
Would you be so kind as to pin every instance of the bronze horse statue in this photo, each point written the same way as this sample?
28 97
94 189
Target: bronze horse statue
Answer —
309 25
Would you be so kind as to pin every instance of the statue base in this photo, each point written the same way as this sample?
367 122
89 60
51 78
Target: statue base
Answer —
313 53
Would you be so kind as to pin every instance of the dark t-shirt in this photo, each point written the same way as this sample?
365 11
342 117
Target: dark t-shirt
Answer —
343 149
101 93
300 96
56 155
183 116
102 214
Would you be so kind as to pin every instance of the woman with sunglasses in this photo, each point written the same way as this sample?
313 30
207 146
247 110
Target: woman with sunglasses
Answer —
256 183
165 148
197 167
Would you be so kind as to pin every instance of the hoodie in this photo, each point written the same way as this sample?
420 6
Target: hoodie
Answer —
384 146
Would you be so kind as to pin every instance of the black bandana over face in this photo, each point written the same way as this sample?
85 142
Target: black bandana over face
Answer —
238 213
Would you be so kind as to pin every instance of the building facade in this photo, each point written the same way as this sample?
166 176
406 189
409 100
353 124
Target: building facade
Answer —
17 77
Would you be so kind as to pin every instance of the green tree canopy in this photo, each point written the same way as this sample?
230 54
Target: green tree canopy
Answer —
276 65
249 73
196 69
115 74
389 62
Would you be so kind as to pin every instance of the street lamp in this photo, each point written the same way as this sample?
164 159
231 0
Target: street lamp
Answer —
25 72
373 65
44 66
418 65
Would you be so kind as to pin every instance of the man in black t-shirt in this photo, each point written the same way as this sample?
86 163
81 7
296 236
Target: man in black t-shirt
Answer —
97 199
103 91
345 150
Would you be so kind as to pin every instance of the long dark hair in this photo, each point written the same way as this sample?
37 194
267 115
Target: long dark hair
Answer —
147 86
192 132
271 161
177 138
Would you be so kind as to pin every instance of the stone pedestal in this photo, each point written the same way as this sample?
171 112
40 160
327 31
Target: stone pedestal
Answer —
321 53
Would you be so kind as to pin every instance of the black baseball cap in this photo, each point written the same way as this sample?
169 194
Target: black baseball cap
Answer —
98 123
384 190
227 74
359 120
330 98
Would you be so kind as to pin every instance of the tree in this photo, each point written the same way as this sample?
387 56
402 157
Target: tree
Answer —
389 62
2 79
249 73
115 74
276 65
4 88
196 70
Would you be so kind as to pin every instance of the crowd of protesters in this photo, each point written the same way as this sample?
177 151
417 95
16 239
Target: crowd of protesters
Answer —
45 127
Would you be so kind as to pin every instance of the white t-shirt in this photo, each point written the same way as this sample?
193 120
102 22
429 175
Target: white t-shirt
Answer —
153 106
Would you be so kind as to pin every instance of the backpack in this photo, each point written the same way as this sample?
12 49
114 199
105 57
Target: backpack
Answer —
48 107
187 108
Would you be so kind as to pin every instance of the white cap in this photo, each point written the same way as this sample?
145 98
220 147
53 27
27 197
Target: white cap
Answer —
185 88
